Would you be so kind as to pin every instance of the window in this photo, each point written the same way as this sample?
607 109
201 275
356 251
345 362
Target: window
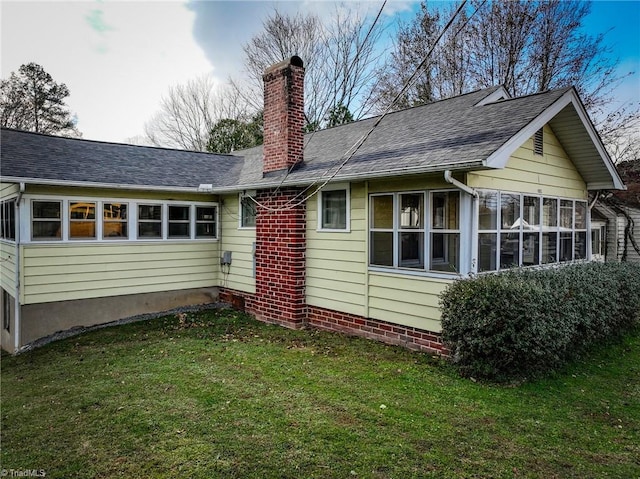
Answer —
407 233
533 230
206 222
82 220
333 208
149 221
179 222
114 217
46 220
8 220
6 311
247 212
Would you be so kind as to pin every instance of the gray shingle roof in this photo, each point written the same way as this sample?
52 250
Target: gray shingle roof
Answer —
34 156
457 133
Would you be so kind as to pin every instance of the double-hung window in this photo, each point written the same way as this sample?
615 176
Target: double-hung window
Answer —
416 230
247 211
206 226
46 220
82 220
114 221
333 208
179 221
150 221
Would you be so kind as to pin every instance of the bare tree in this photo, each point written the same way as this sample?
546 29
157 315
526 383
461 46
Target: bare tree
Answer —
339 57
188 112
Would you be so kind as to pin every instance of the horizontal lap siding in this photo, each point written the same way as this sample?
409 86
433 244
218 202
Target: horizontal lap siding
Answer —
68 272
8 267
551 174
407 300
336 263
8 189
240 243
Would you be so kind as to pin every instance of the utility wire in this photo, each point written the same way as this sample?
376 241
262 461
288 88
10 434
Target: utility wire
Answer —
352 151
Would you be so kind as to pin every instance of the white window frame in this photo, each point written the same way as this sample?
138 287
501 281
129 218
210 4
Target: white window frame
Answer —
346 187
248 196
26 218
427 230
557 229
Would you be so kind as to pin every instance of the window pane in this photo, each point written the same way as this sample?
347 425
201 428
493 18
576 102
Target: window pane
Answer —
46 230
509 250
531 213
382 211
550 212
412 250
178 213
580 249
530 249
581 215
150 229
82 211
247 212
549 247
445 252
411 210
115 230
334 209
382 248
487 251
205 213
488 210
566 253
114 211
595 242
510 211
179 230
46 209
205 230
82 229
566 214
150 212
445 210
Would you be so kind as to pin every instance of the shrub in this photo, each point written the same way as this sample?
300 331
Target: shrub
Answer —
522 323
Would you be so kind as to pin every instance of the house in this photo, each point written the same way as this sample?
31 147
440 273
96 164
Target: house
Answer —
306 230
616 219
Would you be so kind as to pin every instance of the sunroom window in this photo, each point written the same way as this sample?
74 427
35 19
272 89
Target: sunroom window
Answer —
82 220
416 230
206 226
533 230
179 222
114 225
46 221
149 221
8 220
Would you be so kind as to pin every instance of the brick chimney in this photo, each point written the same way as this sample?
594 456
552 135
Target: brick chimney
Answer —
283 115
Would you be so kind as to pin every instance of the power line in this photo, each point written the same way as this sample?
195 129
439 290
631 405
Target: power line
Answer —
352 151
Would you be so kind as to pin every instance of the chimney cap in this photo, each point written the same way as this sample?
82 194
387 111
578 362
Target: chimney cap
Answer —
295 61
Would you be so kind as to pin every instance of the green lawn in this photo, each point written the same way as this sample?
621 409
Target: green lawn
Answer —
221 395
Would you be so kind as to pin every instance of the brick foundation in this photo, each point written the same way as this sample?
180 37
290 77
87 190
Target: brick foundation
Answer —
353 325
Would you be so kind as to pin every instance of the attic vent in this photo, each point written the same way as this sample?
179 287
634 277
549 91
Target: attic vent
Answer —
538 142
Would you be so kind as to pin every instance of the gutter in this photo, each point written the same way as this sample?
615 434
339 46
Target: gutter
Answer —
17 308
448 177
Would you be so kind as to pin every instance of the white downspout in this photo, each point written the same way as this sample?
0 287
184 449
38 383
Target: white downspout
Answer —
16 302
448 177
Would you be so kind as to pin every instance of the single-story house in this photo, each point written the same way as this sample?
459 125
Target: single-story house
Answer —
306 230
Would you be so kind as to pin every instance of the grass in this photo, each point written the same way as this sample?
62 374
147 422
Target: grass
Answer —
217 394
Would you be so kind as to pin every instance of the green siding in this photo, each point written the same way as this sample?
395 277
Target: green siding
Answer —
240 242
407 300
336 261
552 174
8 267
68 271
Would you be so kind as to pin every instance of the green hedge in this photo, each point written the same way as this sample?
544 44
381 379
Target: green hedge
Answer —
523 323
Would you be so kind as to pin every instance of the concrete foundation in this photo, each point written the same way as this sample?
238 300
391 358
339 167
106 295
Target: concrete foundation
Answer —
40 320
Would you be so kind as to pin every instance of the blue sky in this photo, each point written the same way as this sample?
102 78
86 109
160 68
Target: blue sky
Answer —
119 57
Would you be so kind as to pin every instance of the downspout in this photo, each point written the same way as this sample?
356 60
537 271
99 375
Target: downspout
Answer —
448 177
16 314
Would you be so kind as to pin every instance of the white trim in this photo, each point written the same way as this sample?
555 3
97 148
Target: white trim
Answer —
132 220
335 187
500 94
